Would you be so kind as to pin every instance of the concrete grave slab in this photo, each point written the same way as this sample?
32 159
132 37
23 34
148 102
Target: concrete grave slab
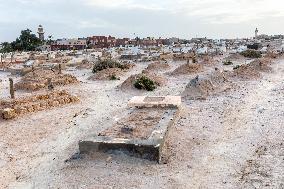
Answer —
141 133
155 101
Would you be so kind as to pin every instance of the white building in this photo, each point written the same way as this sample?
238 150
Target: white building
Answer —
71 42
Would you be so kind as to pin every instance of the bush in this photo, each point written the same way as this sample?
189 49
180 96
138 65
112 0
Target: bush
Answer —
194 60
105 64
254 46
251 54
114 77
145 83
227 63
236 67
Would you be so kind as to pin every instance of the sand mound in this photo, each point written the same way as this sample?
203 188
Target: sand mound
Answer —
201 88
37 80
107 74
262 65
206 60
110 70
12 108
158 66
252 70
128 84
245 72
271 55
187 69
85 65
235 57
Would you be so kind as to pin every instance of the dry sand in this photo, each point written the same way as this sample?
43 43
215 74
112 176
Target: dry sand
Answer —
107 74
158 66
187 69
231 140
252 70
138 124
38 79
201 88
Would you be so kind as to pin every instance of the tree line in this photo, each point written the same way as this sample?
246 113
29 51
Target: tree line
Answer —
27 41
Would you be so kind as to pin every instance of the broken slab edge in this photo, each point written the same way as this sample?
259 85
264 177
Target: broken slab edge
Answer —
143 150
168 102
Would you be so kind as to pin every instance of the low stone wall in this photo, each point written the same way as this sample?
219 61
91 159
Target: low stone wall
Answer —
13 108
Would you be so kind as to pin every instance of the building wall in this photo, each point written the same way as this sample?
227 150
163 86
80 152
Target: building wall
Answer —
69 44
101 41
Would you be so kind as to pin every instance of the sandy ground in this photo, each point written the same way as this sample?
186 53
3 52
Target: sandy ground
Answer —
231 140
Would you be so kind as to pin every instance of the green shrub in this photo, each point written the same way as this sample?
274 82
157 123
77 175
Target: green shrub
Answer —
194 60
251 54
114 77
236 67
227 63
105 64
145 83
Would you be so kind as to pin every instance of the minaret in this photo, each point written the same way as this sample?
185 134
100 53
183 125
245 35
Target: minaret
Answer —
256 33
40 32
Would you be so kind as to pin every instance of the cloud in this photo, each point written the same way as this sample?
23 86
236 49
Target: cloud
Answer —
184 18
213 11
95 23
125 4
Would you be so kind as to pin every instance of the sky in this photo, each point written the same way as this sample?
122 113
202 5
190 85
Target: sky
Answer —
131 18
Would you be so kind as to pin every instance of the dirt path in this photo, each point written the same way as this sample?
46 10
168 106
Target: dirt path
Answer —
234 140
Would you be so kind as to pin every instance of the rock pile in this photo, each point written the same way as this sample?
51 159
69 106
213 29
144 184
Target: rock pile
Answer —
37 80
13 108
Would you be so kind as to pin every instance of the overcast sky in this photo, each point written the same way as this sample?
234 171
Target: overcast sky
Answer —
165 18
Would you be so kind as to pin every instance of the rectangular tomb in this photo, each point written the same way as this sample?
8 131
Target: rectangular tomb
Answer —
155 101
141 133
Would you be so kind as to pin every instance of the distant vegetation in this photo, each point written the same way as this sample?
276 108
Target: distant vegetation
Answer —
114 77
236 67
254 46
227 63
27 41
105 64
145 83
251 54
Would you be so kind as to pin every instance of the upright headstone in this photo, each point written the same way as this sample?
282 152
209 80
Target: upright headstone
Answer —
12 91
33 70
60 68
49 84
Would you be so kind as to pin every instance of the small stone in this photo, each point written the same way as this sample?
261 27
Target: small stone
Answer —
109 159
9 113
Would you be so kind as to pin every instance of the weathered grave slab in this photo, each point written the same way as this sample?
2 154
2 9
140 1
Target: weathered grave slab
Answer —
141 133
155 101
